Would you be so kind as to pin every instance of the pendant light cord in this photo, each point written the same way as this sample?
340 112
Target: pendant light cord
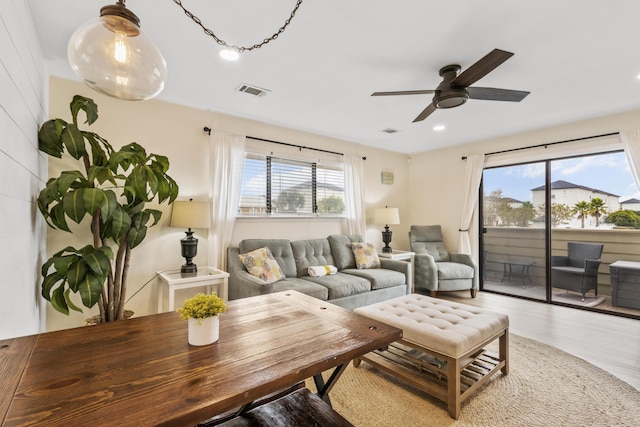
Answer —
238 48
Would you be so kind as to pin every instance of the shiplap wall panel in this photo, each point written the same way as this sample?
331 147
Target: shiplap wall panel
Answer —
23 171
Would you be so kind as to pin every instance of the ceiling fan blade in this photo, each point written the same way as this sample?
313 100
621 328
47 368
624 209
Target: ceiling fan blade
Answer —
425 113
403 92
493 94
481 68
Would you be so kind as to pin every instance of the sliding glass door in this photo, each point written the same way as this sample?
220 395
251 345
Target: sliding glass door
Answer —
552 228
513 241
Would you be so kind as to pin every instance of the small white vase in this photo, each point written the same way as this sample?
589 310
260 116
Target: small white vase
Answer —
204 331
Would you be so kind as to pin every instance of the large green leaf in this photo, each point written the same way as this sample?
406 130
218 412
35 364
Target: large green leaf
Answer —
67 178
137 183
156 216
93 199
120 223
109 205
160 163
102 175
136 236
99 157
49 139
76 274
58 218
73 141
49 282
90 289
58 300
87 105
73 203
62 263
100 262
67 298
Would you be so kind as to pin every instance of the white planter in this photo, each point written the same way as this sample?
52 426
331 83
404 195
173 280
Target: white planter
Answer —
204 331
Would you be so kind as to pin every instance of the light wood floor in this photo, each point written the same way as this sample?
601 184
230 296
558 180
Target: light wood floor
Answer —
609 342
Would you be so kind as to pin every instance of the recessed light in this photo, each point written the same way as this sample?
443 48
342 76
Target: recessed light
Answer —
229 54
439 128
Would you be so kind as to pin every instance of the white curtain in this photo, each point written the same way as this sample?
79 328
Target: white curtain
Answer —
473 175
354 202
226 161
631 144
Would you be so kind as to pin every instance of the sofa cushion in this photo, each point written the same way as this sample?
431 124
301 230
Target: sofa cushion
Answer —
280 249
453 270
379 277
304 286
309 253
260 263
341 250
342 285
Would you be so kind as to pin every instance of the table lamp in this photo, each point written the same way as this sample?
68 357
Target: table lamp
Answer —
190 215
387 216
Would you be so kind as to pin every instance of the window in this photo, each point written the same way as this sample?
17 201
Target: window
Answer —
275 185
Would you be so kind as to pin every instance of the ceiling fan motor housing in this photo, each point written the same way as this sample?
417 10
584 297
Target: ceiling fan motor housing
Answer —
452 97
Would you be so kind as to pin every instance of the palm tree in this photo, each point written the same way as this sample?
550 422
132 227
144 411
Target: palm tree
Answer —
582 209
597 209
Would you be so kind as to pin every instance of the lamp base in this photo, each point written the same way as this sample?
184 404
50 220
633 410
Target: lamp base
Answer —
189 270
189 251
386 238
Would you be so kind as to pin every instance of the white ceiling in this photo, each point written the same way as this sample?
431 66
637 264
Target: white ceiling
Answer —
578 58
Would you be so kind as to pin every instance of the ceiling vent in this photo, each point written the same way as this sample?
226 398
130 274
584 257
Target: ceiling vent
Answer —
252 90
389 130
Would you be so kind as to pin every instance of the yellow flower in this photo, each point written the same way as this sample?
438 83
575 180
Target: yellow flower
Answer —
202 306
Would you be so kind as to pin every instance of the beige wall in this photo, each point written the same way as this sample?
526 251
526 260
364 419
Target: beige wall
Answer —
23 171
177 132
436 178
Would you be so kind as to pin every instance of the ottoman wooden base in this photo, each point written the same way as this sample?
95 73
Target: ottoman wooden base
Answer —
453 376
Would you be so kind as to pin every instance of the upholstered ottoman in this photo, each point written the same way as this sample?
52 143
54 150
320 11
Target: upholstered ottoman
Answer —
442 347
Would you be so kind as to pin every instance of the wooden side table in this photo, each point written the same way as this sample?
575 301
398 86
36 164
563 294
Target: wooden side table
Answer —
207 276
401 256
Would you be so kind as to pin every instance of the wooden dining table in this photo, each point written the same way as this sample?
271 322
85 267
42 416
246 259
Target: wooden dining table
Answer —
143 372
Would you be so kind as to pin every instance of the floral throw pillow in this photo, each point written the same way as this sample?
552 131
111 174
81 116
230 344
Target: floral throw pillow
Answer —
366 255
262 264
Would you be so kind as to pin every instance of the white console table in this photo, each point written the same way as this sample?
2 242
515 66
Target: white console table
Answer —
206 277
401 256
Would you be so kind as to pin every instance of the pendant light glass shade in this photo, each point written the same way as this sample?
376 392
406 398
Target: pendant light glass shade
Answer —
113 56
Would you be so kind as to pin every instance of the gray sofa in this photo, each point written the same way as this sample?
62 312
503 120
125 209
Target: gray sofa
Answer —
349 288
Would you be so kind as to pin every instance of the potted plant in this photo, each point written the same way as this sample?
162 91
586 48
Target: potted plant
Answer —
202 312
109 192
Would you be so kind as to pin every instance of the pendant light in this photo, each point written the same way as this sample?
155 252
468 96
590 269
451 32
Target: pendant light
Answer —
113 56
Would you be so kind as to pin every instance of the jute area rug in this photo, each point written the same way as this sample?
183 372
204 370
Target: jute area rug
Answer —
545 387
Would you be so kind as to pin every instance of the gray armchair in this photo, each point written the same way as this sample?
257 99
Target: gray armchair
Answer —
578 271
435 268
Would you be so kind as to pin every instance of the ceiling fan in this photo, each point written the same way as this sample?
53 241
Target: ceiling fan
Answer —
454 90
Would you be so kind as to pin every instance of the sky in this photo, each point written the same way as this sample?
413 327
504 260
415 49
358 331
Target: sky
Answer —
605 172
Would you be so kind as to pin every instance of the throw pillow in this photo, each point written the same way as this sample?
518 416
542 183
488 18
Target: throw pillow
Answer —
262 264
365 255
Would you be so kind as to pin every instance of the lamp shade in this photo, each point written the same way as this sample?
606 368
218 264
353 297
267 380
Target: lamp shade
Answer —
113 56
190 214
388 216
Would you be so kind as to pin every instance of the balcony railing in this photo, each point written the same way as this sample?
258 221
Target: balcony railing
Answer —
528 244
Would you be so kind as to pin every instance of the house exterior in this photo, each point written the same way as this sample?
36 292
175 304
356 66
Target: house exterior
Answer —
632 204
569 194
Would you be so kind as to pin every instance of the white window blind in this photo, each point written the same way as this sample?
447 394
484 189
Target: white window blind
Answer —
276 185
